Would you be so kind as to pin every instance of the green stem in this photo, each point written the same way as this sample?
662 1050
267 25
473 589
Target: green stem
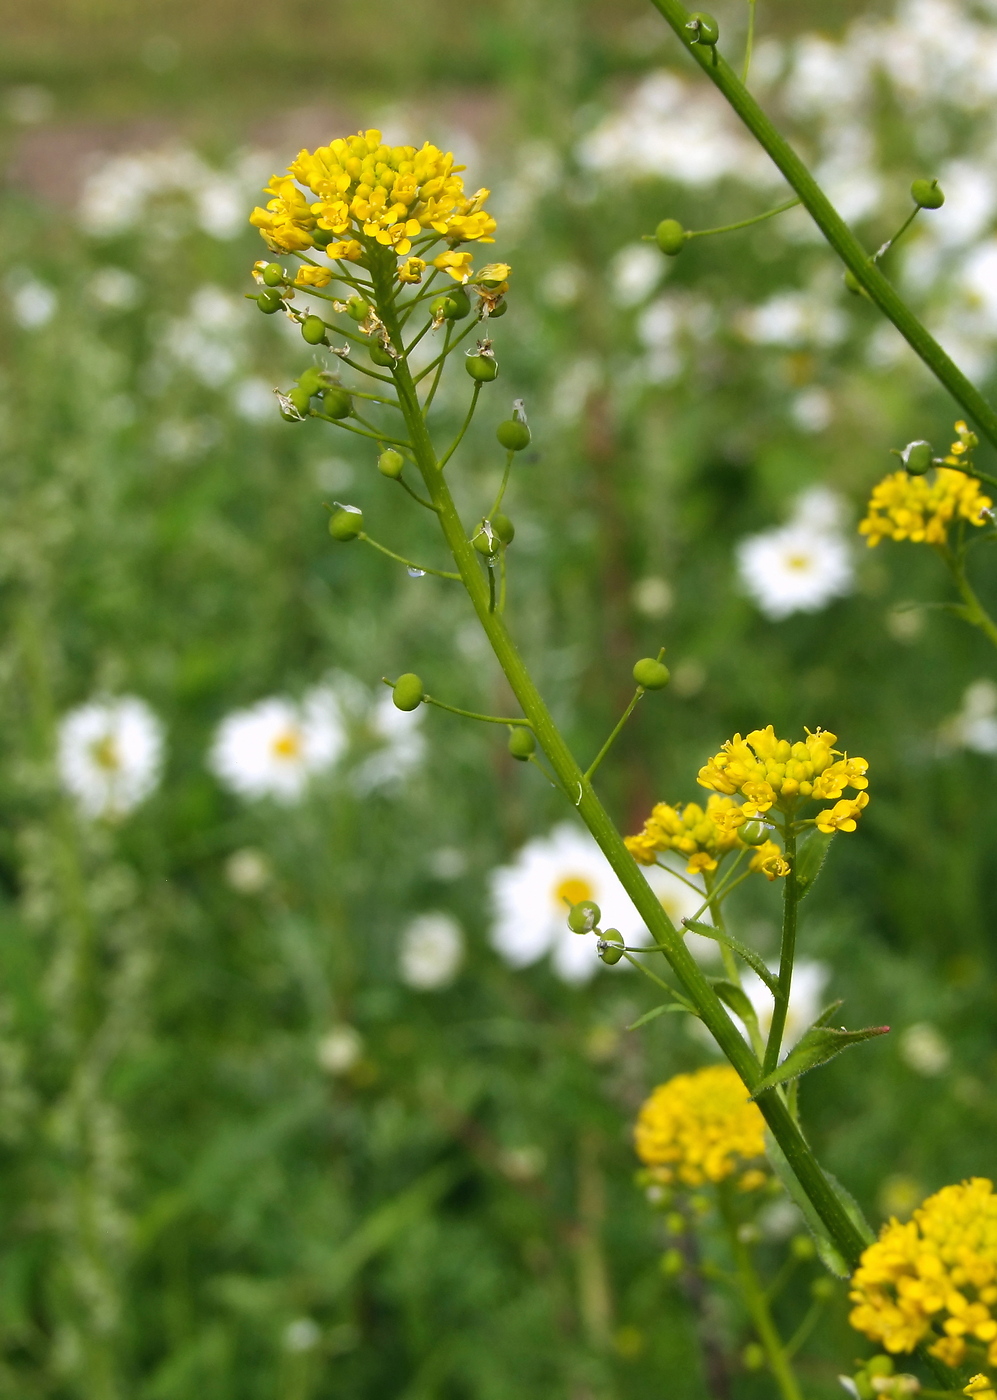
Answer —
612 738
975 613
400 558
757 1304
463 429
830 223
473 714
439 370
708 1006
750 42
881 252
743 223
505 482
787 953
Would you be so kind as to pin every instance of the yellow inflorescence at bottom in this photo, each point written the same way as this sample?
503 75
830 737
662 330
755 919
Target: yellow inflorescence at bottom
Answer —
701 1127
934 1277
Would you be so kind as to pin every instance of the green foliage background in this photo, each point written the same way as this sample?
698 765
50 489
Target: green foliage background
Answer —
181 1181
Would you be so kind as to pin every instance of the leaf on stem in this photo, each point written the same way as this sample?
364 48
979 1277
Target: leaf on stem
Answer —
819 1044
830 1256
735 997
748 954
810 860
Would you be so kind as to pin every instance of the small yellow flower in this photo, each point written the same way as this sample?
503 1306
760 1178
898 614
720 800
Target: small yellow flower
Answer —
411 270
493 276
981 1388
843 816
700 1127
308 276
768 858
347 248
936 1273
905 507
457 264
701 836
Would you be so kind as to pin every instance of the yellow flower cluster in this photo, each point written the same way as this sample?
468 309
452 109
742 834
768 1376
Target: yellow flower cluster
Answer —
368 194
936 1274
702 837
905 507
981 1388
769 772
701 1127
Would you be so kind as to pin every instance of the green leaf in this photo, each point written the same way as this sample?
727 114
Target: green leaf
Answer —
820 1044
656 1011
735 997
830 1256
810 859
748 954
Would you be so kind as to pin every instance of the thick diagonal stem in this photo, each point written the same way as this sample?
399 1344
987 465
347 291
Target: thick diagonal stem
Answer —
798 1153
831 224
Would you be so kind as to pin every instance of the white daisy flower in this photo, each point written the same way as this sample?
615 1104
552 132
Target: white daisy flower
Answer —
339 1049
432 950
801 566
273 748
110 754
531 896
402 744
974 727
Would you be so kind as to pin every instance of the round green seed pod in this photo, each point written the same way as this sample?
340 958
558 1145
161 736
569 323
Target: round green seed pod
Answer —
483 368
513 435
273 275
753 833
822 1289
670 237
407 692
391 464
672 1263
612 955
311 381
522 743
499 309
357 309
864 1386
802 1247
917 457
345 525
313 330
322 237
651 674
301 399
584 916
486 542
269 302
879 1365
707 31
753 1357
381 357
336 402
504 528
927 194
451 306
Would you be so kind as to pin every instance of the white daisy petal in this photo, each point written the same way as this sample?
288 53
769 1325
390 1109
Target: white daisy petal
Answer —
273 748
110 754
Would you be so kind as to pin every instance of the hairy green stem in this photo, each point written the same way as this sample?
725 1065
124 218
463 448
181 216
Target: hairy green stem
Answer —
830 223
975 613
570 777
787 952
756 1302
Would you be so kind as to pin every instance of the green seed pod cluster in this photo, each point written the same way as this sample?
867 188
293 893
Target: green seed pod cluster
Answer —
704 28
301 399
311 381
380 356
391 464
313 330
584 916
451 306
407 692
753 833
917 457
927 194
611 946
670 237
337 402
651 673
504 528
269 301
322 237
522 744
482 368
346 523
499 310
357 309
485 540
513 435
273 275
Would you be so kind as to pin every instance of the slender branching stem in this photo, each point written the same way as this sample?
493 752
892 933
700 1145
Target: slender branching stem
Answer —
638 693
400 558
744 223
463 428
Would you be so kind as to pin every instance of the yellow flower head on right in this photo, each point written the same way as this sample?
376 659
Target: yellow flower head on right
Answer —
934 1279
771 772
906 507
701 1127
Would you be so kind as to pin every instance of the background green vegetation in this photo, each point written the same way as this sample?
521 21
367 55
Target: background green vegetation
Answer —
181 1182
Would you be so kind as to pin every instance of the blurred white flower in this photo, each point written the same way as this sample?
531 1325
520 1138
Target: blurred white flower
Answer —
794 319
801 566
302 1334
530 899
207 341
805 999
115 288
812 409
653 596
635 272
974 726
562 284
110 754
274 748
254 400
29 104
33 303
924 1050
403 744
339 1049
248 871
432 950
